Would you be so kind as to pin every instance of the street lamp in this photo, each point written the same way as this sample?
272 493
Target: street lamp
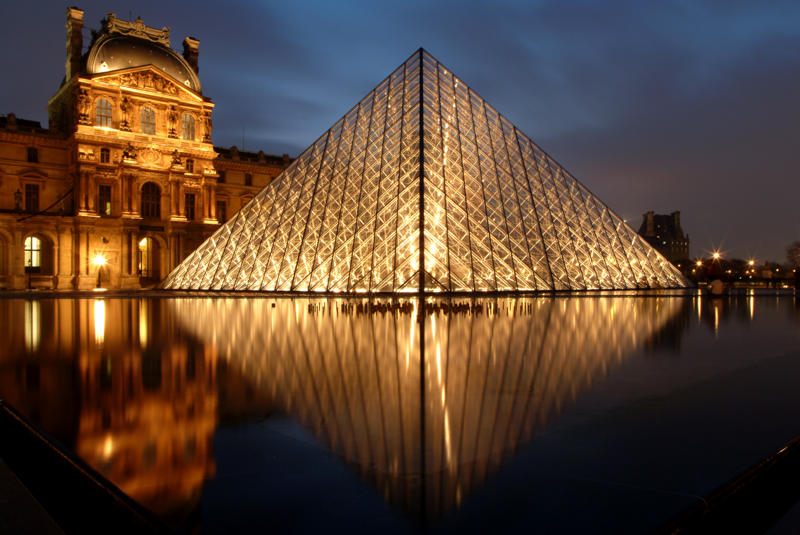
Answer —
99 261
716 255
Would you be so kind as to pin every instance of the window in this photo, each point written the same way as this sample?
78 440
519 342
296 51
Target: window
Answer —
189 204
33 254
148 120
33 154
188 127
248 179
222 216
151 200
31 197
190 165
104 200
103 115
221 178
105 156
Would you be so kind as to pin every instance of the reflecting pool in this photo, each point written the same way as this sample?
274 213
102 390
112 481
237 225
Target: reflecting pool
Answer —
598 413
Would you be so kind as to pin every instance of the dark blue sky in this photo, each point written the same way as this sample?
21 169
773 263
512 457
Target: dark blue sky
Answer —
690 106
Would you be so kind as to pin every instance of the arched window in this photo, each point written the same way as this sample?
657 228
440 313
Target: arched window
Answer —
188 127
33 254
151 200
105 156
103 116
148 120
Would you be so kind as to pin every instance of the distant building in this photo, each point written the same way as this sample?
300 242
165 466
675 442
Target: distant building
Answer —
125 181
665 234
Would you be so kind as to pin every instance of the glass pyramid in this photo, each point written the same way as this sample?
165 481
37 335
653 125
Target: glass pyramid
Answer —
422 151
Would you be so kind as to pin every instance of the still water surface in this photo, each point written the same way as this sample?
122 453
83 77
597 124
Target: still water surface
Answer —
602 413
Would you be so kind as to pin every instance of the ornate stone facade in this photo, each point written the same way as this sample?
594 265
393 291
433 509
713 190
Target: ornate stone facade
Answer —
126 172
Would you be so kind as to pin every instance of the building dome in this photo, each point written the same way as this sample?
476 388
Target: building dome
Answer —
115 52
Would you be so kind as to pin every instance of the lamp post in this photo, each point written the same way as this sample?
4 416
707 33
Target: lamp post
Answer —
99 260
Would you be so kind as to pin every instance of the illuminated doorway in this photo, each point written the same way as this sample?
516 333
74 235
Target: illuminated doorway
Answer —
148 259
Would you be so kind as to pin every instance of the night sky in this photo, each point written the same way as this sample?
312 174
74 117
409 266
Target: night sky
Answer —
690 106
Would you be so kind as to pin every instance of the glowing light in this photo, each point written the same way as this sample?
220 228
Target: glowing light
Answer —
108 447
752 262
143 330
33 325
99 321
716 255
699 263
99 260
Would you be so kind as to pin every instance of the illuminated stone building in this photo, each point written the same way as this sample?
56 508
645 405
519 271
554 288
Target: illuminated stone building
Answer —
126 173
665 234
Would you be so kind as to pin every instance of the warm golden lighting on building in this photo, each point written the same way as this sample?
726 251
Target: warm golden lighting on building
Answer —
99 260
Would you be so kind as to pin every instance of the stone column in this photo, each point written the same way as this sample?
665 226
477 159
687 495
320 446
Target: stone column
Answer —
91 194
212 203
83 193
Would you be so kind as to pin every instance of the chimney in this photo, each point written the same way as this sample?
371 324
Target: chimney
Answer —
650 229
191 51
74 41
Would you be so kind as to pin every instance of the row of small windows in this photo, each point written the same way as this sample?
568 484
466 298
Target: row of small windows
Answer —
103 117
148 127
151 204
38 256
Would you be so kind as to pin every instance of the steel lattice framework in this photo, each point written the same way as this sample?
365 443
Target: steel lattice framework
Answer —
424 151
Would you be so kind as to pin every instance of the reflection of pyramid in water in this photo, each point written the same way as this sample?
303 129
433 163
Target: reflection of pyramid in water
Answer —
497 213
491 381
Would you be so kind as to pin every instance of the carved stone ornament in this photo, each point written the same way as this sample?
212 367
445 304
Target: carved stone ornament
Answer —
144 80
125 107
129 153
172 119
137 28
84 104
176 157
149 155
208 125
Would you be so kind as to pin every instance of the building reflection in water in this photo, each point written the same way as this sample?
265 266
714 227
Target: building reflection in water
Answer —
143 416
33 326
425 426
